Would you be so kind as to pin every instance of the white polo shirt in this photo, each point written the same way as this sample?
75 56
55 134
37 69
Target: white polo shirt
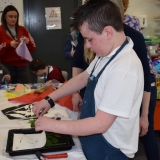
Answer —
119 92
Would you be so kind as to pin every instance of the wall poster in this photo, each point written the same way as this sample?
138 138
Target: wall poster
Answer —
53 18
4 3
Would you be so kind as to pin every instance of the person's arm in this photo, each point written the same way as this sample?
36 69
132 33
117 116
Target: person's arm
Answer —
68 48
141 51
5 70
4 43
30 44
76 98
78 58
78 67
6 74
73 85
147 87
7 44
144 115
142 54
76 71
83 127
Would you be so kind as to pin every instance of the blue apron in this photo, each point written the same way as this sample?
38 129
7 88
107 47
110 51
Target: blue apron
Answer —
95 146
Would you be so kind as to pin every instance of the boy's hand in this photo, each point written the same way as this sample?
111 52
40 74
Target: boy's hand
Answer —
44 123
40 108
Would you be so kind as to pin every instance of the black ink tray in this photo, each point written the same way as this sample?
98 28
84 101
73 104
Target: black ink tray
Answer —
64 143
12 110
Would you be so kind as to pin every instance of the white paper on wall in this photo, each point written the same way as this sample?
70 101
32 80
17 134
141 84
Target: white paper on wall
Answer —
4 3
53 18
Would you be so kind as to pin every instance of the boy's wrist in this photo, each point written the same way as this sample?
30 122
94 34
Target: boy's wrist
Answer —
50 101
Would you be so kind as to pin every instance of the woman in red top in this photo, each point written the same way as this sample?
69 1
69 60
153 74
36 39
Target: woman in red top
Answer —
10 34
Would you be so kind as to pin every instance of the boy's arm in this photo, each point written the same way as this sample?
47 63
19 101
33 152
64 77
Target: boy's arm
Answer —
73 85
88 126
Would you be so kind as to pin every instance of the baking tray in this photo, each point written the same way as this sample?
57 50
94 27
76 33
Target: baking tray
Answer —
65 142
23 111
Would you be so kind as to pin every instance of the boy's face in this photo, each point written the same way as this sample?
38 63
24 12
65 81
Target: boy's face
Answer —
38 73
98 43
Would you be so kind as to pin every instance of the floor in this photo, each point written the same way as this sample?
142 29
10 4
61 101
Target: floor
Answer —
140 155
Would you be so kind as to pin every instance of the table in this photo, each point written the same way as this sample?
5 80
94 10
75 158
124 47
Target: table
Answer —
75 153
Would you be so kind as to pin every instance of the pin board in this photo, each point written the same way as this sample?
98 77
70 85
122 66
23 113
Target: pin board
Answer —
4 3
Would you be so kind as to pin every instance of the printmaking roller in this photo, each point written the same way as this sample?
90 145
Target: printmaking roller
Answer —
43 157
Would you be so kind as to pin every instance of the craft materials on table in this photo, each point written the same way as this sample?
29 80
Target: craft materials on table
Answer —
42 157
24 111
28 141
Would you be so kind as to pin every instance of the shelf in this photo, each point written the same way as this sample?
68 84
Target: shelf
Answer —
152 40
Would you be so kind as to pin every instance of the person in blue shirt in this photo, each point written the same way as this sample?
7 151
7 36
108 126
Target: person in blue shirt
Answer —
71 44
149 101
149 139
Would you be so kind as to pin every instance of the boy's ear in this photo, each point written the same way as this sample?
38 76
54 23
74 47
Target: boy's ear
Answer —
108 31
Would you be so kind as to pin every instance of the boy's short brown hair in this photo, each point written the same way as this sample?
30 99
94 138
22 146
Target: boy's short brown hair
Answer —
37 64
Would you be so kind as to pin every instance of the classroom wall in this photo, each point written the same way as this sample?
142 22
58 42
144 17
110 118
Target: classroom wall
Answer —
19 5
145 7
136 7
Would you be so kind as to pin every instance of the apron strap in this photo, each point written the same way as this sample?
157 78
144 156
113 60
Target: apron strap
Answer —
122 46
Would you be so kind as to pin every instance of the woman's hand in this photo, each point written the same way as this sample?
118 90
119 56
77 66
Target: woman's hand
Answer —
76 101
7 78
26 40
14 44
143 125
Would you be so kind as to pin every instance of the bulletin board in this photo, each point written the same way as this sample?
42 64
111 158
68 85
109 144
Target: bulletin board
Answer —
4 3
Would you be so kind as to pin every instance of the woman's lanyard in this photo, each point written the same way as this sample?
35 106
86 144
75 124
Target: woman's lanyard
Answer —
14 37
46 76
122 46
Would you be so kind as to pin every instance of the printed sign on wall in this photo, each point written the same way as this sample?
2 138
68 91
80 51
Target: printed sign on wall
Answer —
53 18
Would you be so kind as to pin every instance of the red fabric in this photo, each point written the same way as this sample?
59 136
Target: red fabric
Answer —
66 102
31 97
34 97
8 54
56 73
156 116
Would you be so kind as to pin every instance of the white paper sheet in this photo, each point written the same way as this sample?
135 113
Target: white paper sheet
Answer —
28 141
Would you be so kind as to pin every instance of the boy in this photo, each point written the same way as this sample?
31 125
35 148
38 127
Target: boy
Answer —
39 67
109 120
